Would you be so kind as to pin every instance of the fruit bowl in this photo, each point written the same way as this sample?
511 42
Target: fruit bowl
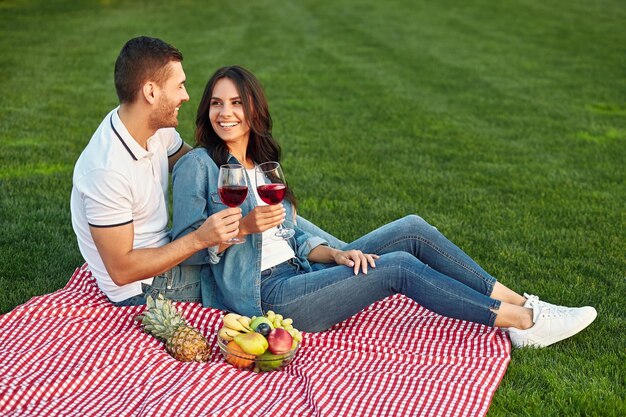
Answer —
262 363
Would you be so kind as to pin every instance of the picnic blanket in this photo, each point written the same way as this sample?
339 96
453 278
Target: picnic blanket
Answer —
73 353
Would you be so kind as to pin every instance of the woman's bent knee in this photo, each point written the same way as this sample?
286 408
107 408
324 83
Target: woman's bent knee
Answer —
413 224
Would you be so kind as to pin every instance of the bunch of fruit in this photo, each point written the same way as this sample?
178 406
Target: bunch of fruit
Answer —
163 321
264 343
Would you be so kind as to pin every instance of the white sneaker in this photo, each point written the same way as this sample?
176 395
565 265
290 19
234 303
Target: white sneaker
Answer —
552 324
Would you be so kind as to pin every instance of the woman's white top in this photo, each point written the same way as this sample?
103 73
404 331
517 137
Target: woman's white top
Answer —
274 250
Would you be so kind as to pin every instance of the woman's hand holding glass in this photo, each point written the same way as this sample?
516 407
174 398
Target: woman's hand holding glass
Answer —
262 218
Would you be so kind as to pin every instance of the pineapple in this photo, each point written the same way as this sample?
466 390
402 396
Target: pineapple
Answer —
163 321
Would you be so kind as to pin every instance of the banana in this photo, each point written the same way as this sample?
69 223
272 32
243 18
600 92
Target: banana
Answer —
231 320
245 322
232 316
227 334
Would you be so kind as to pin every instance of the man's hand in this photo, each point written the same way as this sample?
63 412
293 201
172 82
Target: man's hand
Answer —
219 227
262 218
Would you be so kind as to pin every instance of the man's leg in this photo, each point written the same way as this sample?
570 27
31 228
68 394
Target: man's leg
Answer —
175 284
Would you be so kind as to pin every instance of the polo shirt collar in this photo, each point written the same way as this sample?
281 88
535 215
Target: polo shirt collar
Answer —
130 144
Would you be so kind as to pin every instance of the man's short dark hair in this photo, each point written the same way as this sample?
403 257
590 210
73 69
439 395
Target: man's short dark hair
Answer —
142 59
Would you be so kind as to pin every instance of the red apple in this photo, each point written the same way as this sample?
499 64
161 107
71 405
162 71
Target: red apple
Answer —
279 341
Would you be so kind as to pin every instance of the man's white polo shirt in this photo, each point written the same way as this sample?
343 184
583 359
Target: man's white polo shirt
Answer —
117 182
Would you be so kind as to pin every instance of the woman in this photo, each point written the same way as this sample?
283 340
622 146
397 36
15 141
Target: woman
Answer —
311 282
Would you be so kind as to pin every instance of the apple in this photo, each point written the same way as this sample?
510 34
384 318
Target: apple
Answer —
279 341
255 323
252 343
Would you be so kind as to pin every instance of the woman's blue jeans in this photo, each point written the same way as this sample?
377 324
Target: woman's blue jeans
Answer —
415 260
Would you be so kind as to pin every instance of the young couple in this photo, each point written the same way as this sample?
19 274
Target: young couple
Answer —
119 214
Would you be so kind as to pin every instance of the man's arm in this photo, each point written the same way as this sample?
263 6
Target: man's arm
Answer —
174 158
125 264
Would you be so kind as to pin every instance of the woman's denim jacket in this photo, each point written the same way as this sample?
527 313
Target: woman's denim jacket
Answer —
230 280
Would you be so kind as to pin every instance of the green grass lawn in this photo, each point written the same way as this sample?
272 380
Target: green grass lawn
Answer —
501 123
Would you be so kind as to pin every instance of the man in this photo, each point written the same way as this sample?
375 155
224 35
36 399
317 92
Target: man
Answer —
119 194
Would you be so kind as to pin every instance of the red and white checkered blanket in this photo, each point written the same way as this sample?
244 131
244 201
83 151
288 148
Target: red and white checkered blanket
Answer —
73 353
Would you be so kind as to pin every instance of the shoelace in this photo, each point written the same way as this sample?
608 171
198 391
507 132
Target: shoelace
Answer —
533 300
549 312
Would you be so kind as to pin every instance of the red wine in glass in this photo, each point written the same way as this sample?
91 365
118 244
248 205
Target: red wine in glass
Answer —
272 193
232 187
272 187
233 195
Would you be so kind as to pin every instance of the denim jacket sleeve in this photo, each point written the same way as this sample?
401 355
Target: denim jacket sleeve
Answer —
191 198
306 242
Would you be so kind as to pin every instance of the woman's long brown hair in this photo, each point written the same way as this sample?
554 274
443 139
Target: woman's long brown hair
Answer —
262 147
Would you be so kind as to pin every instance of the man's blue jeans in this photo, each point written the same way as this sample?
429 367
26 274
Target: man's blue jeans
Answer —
175 284
415 260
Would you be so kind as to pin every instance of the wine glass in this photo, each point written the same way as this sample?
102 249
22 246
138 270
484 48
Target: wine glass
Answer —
272 187
232 188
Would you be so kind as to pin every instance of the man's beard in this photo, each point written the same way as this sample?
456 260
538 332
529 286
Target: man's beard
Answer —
164 115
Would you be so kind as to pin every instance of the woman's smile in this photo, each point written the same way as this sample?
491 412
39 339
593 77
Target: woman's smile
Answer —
227 114
226 125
